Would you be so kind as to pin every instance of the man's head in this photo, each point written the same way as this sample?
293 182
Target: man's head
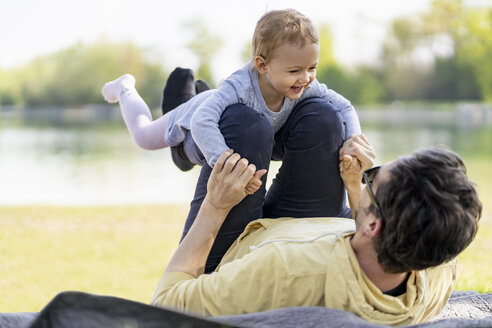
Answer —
430 210
280 27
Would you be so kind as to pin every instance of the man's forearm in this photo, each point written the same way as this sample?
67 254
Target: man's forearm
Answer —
192 252
353 192
225 189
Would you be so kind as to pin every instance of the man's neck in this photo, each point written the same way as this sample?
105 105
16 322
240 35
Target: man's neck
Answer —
368 262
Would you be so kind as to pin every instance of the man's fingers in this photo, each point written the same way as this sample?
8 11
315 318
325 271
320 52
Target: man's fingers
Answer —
247 174
231 163
241 165
362 140
364 143
355 140
221 160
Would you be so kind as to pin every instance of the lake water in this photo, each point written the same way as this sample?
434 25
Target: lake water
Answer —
63 163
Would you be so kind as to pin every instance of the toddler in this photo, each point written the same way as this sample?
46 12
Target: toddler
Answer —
281 73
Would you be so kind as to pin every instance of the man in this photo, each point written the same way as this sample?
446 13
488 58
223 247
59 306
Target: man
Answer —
393 265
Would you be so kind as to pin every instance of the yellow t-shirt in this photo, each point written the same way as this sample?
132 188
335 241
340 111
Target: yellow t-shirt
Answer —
278 263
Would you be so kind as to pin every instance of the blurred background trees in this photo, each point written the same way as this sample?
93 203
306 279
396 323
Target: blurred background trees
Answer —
443 54
74 76
204 45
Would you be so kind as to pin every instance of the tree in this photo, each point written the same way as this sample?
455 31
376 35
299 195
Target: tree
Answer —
457 40
359 85
74 76
205 46
475 49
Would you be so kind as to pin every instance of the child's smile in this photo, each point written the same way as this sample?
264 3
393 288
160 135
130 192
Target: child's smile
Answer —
288 73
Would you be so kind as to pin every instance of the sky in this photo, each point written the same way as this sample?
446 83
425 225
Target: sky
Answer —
29 28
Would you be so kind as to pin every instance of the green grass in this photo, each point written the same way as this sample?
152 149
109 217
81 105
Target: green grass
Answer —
122 251
119 251
475 263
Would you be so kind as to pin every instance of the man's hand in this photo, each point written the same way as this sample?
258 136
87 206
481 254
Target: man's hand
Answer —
232 179
356 156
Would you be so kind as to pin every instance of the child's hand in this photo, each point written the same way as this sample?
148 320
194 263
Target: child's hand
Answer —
255 182
350 165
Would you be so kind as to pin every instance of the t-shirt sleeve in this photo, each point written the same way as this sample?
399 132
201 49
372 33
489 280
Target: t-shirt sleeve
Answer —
252 283
205 121
340 103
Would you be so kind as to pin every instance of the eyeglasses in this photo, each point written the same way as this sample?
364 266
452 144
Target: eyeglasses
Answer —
367 179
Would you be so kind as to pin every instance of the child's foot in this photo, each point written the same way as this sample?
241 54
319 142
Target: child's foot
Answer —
112 90
179 88
201 85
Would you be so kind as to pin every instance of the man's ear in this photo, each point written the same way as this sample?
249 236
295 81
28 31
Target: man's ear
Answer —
261 64
373 227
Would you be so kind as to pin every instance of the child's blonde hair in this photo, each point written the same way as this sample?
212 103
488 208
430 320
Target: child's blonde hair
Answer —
278 27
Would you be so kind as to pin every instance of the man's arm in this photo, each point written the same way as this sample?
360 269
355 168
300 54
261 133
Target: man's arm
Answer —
225 189
356 156
255 282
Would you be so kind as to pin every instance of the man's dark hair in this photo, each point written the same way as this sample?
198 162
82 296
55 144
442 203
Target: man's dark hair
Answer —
431 210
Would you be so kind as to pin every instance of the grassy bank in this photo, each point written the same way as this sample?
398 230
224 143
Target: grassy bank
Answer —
122 251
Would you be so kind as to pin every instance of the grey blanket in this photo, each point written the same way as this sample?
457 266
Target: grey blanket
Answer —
464 309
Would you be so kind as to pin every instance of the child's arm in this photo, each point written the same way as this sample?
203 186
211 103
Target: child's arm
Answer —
349 115
204 123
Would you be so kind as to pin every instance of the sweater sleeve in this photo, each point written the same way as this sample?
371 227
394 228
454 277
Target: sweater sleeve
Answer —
349 115
204 123
252 283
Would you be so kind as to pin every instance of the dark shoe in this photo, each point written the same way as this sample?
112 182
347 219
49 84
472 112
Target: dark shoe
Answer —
179 88
180 159
201 85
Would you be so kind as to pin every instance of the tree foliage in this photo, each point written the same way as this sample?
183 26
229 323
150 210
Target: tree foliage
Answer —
74 76
360 85
443 53
458 41
205 46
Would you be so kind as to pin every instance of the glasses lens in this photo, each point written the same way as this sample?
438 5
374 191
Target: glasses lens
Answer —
371 174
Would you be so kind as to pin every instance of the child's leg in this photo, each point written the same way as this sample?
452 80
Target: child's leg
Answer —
136 114
180 87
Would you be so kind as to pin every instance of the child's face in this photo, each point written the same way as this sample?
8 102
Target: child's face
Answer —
292 69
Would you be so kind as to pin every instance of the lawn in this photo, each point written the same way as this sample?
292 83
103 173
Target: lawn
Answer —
122 251
119 251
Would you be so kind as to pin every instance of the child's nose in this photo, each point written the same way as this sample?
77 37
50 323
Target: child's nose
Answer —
305 77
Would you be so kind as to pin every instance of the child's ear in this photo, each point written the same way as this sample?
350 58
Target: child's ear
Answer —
261 64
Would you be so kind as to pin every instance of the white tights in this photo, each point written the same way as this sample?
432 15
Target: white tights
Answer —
146 133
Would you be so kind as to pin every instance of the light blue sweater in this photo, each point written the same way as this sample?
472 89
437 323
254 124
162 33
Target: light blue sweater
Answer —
201 114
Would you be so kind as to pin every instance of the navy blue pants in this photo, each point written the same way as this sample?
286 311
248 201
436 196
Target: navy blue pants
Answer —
308 183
